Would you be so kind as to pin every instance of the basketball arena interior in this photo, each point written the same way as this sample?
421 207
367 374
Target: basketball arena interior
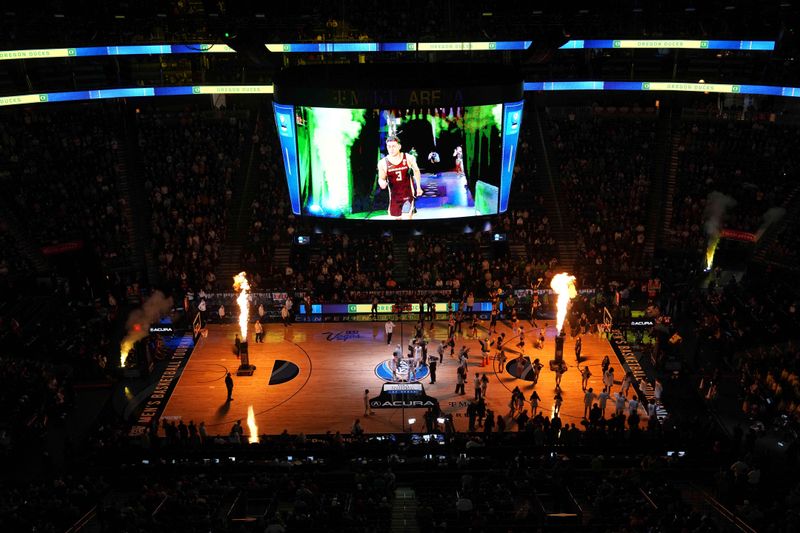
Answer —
421 266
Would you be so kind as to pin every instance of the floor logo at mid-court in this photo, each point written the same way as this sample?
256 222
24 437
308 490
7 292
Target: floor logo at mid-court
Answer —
403 372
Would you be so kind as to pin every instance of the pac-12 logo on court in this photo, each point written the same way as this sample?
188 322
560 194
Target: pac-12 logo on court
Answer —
402 373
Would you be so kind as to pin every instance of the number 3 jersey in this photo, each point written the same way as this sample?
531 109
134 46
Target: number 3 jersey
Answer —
400 189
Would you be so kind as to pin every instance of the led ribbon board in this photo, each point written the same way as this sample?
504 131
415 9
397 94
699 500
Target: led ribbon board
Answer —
365 47
219 48
723 88
385 307
133 92
687 44
128 50
374 47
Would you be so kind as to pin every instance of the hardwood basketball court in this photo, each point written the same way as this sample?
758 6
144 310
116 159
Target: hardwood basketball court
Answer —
337 361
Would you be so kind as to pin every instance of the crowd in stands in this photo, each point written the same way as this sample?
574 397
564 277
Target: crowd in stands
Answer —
53 504
271 223
758 319
432 260
527 222
191 159
759 308
49 344
532 228
335 264
190 22
61 188
748 161
770 386
13 263
498 482
747 330
34 393
191 162
352 484
604 169
783 248
59 178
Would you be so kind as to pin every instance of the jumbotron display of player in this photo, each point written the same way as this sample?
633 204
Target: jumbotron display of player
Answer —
399 172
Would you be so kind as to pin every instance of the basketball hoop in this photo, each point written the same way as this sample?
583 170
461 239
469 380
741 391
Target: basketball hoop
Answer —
605 325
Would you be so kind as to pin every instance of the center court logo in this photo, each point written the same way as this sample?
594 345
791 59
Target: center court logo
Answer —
384 371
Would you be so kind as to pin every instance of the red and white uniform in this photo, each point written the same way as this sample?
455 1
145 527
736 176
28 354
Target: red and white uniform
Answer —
401 189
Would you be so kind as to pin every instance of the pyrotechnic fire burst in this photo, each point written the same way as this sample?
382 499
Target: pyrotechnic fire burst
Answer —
710 251
251 425
241 285
564 286
127 346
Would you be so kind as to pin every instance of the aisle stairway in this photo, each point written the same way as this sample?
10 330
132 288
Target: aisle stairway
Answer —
790 219
671 180
663 172
245 189
133 188
404 511
280 259
23 243
547 183
400 255
126 184
517 251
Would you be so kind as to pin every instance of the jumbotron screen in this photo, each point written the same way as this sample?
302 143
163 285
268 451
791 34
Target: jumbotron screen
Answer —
399 164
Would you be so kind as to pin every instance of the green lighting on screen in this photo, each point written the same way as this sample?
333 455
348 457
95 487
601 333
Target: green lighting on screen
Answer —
479 124
332 132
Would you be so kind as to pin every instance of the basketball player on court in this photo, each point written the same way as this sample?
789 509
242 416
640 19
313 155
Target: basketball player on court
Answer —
395 171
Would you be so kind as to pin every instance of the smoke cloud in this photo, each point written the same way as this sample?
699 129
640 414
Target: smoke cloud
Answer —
716 206
140 320
772 215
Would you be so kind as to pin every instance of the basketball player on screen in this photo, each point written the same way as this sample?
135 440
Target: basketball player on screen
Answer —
395 172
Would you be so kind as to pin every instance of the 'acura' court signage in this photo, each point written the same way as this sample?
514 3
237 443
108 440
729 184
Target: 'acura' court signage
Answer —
402 395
